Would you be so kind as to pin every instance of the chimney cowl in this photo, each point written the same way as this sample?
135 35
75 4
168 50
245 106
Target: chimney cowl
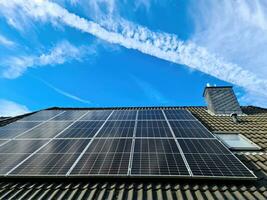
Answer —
234 118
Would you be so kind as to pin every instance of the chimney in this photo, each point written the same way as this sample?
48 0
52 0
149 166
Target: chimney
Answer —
221 100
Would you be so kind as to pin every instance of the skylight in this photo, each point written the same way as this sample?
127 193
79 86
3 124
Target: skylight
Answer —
237 141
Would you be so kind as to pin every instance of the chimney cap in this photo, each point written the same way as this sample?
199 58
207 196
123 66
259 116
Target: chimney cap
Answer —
210 87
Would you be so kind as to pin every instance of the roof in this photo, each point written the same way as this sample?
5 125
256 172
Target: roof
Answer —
253 125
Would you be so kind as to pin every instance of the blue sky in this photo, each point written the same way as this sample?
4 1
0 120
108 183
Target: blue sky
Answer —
129 53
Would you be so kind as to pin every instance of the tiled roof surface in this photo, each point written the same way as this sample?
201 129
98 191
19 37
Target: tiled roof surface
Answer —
253 126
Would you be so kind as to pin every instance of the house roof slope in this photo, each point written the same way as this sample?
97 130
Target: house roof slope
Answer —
253 125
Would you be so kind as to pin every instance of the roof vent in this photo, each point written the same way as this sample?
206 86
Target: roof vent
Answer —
221 100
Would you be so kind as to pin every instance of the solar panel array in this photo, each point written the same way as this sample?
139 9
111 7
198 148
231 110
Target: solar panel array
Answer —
137 143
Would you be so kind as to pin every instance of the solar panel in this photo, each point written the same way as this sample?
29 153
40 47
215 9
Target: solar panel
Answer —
61 146
45 165
136 143
97 115
189 129
157 157
123 115
150 115
117 129
105 157
178 115
14 129
42 115
153 129
156 146
55 158
47 130
202 146
71 115
22 146
217 165
82 129
2 142
8 161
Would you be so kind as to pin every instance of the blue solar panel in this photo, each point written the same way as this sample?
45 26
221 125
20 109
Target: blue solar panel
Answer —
135 143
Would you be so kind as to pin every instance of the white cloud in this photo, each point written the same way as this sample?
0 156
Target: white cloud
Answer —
161 45
236 30
10 108
6 42
64 93
13 67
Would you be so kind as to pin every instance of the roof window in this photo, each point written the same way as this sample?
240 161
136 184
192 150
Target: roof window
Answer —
236 141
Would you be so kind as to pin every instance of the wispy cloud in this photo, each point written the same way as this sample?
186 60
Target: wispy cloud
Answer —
64 93
161 45
11 108
13 67
6 42
236 30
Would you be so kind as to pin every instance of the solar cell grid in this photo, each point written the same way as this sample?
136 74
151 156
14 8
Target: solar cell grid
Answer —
157 157
161 164
8 161
102 164
65 146
42 115
2 142
47 130
156 146
150 115
96 115
189 129
117 129
153 129
16 128
123 115
110 146
45 165
71 115
178 115
209 146
216 165
82 129
105 156
22 146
